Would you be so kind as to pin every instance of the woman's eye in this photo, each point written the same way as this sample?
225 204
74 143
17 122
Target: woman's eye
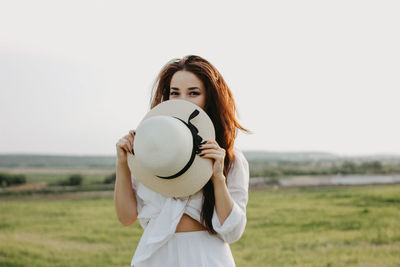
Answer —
174 93
194 93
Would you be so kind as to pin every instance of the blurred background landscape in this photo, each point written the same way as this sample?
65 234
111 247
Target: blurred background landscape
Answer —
58 211
35 174
316 82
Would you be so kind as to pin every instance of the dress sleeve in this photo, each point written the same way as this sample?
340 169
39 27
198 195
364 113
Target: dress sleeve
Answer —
238 185
134 184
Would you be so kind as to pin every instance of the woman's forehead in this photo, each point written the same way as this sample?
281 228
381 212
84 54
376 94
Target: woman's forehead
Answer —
185 79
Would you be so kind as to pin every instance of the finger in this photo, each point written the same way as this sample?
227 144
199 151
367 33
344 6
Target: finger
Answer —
118 144
212 142
212 155
212 149
209 146
129 138
127 147
121 142
207 151
122 145
128 144
132 134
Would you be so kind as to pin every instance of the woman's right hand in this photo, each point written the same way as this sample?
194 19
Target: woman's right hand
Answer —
125 145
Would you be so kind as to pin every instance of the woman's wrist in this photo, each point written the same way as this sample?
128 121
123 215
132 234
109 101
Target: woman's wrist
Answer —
122 168
121 162
219 180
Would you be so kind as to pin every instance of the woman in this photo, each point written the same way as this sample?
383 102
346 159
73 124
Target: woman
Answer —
212 218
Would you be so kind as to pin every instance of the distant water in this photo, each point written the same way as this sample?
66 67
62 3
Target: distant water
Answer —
331 180
364 179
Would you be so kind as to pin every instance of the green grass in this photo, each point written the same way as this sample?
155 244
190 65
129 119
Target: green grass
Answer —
342 226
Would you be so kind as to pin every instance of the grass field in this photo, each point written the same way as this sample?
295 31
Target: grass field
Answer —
337 226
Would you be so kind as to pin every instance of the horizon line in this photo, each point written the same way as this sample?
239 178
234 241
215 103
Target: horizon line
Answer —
386 154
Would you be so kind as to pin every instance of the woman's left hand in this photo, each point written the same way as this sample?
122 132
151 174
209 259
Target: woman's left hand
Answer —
212 150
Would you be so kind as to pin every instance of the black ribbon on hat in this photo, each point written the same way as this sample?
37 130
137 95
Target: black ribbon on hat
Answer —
197 140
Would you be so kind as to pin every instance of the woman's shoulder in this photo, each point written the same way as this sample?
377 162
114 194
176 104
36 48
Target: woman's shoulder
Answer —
239 170
239 158
238 177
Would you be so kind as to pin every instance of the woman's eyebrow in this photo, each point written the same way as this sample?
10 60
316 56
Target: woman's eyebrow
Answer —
190 88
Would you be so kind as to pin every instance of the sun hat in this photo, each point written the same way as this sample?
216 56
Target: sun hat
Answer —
166 146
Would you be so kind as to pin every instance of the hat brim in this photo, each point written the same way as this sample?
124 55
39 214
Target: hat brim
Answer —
199 172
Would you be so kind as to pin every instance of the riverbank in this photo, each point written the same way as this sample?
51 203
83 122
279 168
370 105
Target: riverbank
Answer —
266 183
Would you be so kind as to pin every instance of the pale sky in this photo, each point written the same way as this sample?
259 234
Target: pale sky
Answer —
75 76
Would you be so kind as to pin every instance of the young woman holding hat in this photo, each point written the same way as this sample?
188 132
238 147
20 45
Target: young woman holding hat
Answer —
195 230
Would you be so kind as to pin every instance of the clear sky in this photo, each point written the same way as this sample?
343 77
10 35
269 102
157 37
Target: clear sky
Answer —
75 76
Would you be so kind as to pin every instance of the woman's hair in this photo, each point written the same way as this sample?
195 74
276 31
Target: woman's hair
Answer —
219 106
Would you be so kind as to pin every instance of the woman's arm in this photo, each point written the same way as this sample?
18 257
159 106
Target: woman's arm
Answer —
229 218
223 199
124 196
233 226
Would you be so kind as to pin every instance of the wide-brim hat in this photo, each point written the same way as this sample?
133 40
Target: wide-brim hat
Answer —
165 150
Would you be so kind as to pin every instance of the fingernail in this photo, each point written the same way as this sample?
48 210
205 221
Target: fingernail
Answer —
205 141
134 133
201 155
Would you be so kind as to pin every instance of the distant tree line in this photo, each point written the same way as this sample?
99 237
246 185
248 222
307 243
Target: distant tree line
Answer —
7 179
72 180
110 179
346 168
77 179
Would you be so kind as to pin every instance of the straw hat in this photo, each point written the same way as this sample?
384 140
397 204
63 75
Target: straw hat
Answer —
165 157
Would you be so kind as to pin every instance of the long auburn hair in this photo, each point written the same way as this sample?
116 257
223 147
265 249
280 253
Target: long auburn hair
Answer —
219 106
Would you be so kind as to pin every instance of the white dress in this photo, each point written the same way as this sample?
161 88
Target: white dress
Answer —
159 216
